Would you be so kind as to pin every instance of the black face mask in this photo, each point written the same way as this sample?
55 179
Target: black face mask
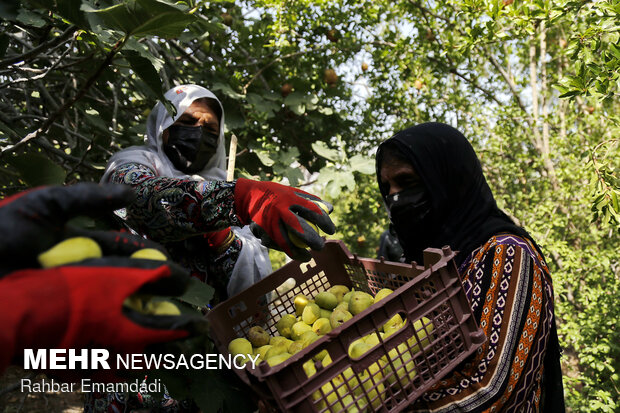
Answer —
410 212
189 148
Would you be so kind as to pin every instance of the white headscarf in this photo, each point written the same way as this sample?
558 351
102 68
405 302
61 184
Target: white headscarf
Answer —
253 262
152 153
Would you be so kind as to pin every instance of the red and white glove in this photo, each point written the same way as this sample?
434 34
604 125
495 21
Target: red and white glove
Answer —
273 211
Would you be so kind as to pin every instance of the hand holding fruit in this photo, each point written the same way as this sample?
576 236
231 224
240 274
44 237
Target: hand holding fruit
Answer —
33 221
275 211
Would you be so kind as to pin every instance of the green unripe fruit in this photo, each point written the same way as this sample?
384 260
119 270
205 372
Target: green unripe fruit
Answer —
69 251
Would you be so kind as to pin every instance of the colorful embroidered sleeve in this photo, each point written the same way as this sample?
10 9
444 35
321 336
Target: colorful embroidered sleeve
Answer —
510 291
172 209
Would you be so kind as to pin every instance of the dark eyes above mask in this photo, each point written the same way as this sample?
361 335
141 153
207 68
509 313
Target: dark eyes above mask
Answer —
189 148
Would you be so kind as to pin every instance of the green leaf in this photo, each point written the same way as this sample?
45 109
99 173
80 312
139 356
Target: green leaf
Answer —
145 71
570 94
30 18
197 293
144 17
323 150
363 164
227 90
262 105
263 156
36 170
296 101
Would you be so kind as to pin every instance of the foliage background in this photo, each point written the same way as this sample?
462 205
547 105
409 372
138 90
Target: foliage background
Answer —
533 84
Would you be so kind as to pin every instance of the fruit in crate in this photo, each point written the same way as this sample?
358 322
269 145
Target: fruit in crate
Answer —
360 301
298 329
393 325
326 300
317 315
240 346
311 313
277 359
322 326
325 313
258 336
285 323
424 329
381 294
261 351
339 291
300 301
339 317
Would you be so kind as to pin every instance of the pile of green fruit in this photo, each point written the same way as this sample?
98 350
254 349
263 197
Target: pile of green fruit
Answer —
318 316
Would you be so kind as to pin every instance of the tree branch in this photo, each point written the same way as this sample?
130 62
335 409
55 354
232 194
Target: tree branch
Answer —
43 46
43 128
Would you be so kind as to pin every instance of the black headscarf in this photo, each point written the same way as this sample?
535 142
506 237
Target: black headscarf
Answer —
464 211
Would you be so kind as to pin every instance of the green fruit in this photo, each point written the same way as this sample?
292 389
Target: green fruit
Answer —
358 348
296 347
134 302
371 380
261 351
320 355
311 313
308 335
309 368
240 346
325 313
322 326
339 291
327 360
393 325
424 328
372 339
161 308
300 301
339 317
347 296
277 359
343 305
297 241
285 323
298 329
326 300
258 336
360 301
276 349
279 339
68 251
149 254
404 367
381 294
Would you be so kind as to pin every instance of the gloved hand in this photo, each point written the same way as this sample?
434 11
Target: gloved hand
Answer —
34 220
81 306
273 210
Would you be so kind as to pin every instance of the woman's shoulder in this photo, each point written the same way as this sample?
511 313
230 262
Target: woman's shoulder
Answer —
512 242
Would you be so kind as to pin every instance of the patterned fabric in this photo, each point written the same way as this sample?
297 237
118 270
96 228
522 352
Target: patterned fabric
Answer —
172 209
509 288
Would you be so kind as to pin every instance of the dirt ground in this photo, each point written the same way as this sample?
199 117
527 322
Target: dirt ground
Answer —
12 400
